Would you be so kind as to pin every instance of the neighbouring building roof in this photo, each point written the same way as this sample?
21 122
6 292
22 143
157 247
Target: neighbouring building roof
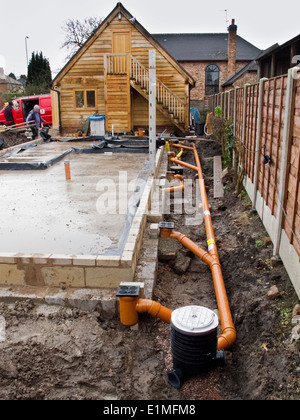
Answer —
266 52
5 80
252 66
10 81
205 47
277 48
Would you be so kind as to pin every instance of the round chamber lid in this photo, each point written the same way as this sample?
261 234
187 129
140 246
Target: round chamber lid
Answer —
194 319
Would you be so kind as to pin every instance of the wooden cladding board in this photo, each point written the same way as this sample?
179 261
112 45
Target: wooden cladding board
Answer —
140 112
118 112
87 70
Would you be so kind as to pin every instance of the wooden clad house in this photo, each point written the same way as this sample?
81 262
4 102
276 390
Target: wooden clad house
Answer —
109 76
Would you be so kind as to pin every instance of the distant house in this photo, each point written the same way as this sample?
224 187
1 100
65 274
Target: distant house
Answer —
109 76
8 84
278 59
248 74
212 59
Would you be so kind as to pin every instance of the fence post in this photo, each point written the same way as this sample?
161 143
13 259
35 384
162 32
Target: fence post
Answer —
228 104
284 158
258 138
244 112
234 109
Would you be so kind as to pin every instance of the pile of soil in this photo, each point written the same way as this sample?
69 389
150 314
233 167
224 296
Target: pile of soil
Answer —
57 353
13 138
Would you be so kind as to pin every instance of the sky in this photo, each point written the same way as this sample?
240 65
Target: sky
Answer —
262 23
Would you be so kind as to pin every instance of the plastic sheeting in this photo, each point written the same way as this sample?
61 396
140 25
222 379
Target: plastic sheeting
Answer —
111 145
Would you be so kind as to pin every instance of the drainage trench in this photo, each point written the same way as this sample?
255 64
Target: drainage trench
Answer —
195 343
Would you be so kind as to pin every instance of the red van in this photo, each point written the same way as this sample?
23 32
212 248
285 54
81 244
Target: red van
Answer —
22 107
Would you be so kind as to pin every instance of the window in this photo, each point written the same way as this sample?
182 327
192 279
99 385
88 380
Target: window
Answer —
85 99
212 75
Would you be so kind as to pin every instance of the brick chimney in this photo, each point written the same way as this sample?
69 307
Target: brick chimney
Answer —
231 69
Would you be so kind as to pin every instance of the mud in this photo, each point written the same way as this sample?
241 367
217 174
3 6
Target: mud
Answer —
13 138
57 353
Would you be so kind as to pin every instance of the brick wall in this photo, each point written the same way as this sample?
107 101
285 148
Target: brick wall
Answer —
197 70
231 49
249 77
4 87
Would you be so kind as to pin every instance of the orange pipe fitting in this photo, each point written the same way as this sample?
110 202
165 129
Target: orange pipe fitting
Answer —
130 307
128 312
155 309
174 189
67 170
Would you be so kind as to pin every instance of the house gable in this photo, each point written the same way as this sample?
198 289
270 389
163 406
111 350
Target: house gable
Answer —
134 24
93 72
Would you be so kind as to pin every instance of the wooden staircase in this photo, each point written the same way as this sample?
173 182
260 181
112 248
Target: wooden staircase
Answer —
168 103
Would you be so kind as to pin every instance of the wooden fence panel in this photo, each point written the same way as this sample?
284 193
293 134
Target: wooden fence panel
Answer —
239 113
271 143
271 140
292 204
250 129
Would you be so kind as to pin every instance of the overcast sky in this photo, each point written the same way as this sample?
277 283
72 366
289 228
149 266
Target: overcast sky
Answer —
263 23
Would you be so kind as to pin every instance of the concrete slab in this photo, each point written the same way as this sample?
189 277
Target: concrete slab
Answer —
67 234
46 214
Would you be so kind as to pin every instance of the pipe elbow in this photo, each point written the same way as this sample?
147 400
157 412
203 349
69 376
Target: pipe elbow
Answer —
179 188
227 338
177 235
154 309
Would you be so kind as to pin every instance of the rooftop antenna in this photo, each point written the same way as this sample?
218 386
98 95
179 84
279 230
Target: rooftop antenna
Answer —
227 21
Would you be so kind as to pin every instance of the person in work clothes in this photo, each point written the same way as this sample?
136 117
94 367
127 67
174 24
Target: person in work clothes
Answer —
34 117
8 113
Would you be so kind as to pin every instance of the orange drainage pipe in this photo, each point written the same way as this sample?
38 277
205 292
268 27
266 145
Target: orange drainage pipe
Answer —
172 159
67 170
174 189
181 146
130 307
228 336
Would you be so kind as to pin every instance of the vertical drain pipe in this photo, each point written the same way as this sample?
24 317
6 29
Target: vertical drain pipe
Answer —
67 170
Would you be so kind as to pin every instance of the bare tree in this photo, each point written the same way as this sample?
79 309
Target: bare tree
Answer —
76 33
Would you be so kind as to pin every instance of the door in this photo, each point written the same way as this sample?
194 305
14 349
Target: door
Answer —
121 45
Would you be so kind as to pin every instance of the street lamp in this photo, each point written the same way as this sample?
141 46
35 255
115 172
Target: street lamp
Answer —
27 37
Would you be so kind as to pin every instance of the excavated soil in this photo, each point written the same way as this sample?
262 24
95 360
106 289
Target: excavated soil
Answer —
13 138
58 353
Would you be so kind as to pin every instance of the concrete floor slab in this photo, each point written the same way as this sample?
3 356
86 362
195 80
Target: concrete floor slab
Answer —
63 234
45 214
